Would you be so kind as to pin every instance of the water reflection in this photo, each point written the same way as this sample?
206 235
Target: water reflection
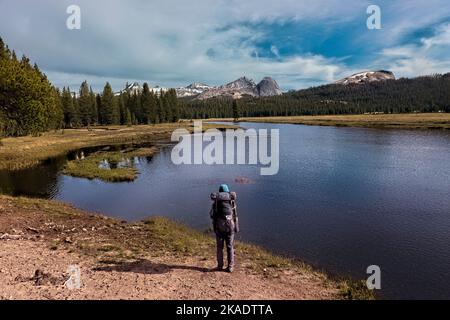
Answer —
106 164
79 155
40 181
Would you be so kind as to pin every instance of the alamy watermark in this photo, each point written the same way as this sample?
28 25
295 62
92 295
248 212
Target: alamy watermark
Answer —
73 22
374 280
374 19
74 281
373 22
190 148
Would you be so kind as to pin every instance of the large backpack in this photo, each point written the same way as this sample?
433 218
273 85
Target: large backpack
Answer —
223 209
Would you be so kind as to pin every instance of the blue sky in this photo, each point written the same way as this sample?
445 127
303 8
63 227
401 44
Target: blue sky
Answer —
173 43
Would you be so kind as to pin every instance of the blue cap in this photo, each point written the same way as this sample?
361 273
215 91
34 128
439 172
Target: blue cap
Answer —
224 188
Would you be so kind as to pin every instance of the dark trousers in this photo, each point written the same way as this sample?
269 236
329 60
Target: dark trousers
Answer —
229 240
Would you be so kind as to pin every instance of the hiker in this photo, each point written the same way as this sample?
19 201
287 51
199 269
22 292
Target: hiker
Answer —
225 223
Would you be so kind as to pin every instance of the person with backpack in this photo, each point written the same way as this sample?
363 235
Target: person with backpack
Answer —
225 224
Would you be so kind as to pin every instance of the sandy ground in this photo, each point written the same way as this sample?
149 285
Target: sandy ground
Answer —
40 240
189 278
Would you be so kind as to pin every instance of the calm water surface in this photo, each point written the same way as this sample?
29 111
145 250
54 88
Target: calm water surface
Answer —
344 199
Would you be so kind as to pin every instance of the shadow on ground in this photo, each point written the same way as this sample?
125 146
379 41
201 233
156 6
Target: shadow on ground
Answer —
147 267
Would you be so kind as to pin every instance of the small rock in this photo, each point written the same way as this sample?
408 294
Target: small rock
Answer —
33 229
10 237
17 231
41 278
68 240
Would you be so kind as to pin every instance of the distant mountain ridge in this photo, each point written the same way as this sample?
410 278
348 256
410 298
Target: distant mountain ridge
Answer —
193 89
236 89
136 88
366 92
246 87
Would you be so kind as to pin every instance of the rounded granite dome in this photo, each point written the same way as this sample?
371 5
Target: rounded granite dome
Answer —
268 87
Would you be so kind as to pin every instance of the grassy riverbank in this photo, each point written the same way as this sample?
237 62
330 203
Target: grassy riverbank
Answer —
439 121
158 249
24 152
119 165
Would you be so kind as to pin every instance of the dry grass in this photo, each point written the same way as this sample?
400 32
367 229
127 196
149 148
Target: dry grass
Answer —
395 121
23 152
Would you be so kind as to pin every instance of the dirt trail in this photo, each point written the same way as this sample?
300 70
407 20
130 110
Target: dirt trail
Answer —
157 259
145 279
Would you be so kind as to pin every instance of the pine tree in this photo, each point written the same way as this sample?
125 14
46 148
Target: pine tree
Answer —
123 109
152 112
76 109
94 107
98 103
147 104
174 105
131 103
29 104
236 111
109 108
127 120
85 104
4 52
167 107
68 108
56 120
159 111
135 107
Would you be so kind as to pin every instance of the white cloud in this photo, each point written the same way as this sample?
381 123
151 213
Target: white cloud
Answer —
429 56
442 38
172 43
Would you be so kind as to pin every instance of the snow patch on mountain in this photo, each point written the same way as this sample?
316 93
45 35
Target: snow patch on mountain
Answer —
193 89
367 76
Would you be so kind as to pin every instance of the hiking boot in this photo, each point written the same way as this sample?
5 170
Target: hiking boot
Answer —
230 269
218 269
